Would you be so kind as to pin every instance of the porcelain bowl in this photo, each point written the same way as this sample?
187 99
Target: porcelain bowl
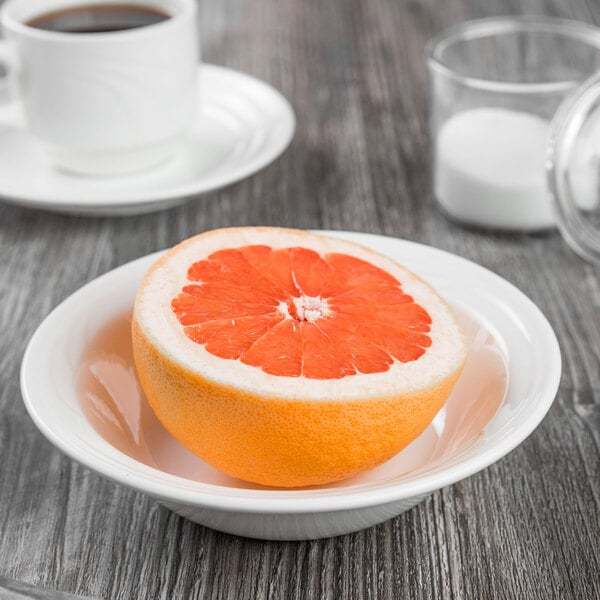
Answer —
508 384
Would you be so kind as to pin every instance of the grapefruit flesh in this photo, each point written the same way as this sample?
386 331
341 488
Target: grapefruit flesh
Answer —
290 359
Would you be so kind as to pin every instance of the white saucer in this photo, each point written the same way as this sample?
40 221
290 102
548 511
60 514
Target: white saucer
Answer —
476 427
242 125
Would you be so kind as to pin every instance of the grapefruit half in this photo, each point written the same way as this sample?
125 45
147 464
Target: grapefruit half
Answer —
287 358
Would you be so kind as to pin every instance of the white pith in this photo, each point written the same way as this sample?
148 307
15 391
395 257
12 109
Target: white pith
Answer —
310 308
159 324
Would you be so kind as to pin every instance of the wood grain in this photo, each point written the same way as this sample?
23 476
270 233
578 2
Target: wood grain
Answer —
527 527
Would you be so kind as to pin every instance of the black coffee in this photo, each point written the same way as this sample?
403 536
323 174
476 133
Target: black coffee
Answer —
99 18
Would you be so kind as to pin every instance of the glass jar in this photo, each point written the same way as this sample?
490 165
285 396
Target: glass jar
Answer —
573 169
495 87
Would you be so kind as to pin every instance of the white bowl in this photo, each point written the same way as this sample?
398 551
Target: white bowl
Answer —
508 385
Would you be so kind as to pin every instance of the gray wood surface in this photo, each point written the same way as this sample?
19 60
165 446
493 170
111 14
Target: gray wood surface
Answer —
527 527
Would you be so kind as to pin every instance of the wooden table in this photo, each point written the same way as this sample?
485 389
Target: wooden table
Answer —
527 527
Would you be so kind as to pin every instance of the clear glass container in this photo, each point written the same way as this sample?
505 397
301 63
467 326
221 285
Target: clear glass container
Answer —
495 87
573 169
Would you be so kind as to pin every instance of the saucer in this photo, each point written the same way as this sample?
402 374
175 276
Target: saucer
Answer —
242 125
507 386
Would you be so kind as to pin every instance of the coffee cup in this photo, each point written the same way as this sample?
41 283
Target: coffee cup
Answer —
107 87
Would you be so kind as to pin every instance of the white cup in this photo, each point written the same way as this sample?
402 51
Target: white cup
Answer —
104 103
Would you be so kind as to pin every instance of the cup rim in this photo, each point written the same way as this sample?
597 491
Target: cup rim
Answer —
188 9
478 28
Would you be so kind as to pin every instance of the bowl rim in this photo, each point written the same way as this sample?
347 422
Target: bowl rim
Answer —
170 488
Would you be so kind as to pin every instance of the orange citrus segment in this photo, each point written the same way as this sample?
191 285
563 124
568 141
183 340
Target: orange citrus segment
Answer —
289 359
239 297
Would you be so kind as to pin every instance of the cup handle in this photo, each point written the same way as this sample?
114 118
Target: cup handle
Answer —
9 63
